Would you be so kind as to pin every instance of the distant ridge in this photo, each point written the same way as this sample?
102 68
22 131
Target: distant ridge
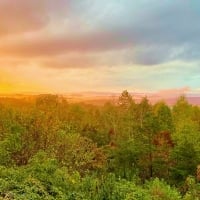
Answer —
102 97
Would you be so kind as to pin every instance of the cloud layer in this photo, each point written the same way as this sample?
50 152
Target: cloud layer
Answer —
100 35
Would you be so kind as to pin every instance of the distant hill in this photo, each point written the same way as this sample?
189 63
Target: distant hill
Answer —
100 98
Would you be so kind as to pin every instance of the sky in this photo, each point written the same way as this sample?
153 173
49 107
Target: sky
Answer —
50 46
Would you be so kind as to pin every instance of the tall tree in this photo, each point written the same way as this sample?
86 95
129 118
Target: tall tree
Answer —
125 100
164 117
147 128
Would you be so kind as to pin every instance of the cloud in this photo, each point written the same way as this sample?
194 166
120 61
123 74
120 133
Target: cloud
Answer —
22 16
99 41
143 33
175 92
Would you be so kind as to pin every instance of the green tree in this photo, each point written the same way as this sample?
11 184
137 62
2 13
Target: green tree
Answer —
125 100
164 117
147 128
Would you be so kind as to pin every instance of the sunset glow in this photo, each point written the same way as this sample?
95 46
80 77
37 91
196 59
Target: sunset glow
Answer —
103 46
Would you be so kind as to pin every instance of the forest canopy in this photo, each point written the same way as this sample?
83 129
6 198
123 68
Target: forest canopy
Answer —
53 149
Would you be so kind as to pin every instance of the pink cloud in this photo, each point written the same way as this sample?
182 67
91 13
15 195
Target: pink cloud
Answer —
22 16
174 92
